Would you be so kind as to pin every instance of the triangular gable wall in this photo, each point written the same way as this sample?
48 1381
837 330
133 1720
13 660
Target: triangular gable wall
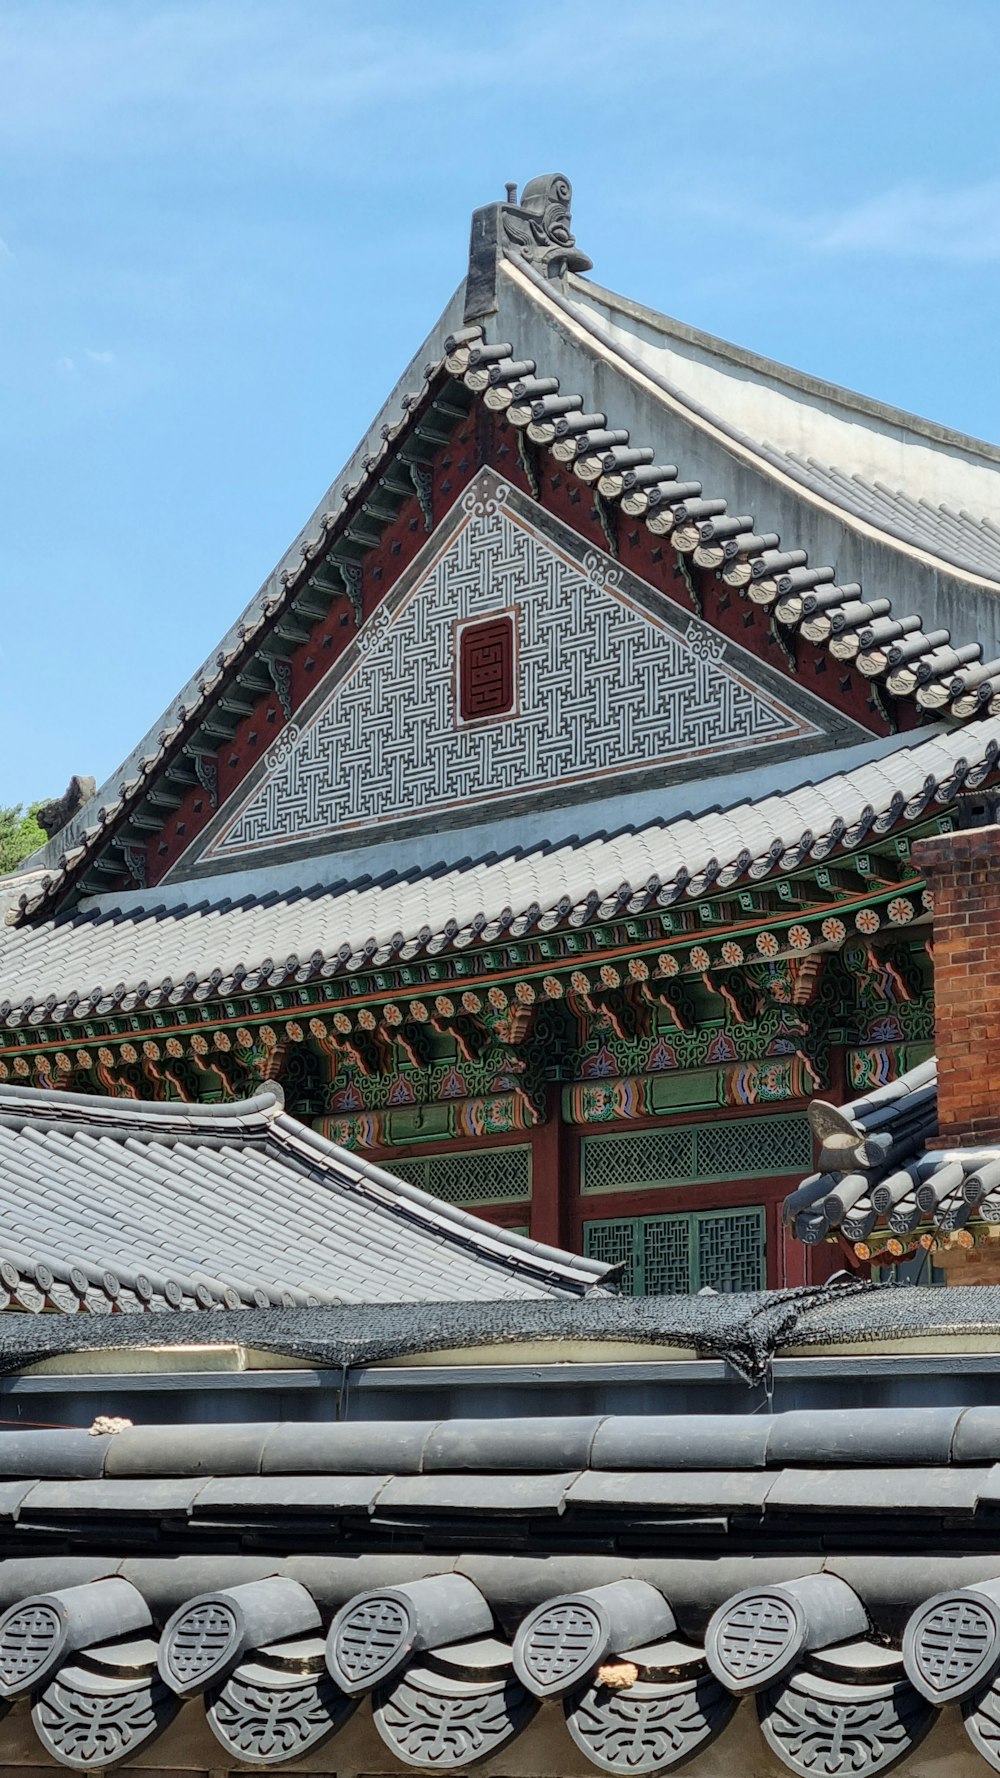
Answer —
614 687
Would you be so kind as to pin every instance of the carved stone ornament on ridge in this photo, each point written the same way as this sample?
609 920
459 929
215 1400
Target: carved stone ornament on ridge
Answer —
264 1716
822 1729
444 1723
648 1727
539 228
607 685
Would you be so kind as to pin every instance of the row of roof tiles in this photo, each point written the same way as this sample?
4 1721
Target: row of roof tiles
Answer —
124 1205
109 959
665 1447
885 646
958 537
452 1682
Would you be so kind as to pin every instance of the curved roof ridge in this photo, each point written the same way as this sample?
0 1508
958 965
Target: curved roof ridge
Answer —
774 460
254 1116
748 359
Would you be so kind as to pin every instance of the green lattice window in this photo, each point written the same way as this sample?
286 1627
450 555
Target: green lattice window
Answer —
479 1176
688 1154
675 1255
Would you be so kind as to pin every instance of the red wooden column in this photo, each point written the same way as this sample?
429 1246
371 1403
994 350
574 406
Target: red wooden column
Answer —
554 1184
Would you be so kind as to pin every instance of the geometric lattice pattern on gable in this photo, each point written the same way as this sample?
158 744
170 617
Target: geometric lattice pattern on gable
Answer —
604 686
685 1154
480 1176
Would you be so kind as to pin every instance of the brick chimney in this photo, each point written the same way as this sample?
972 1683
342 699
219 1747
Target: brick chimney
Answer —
963 874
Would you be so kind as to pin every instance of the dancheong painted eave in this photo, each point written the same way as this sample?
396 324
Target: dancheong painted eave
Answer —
892 648
115 1204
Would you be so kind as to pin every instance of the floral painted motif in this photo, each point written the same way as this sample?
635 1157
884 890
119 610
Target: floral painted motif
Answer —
366 1020
767 944
834 931
419 1011
867 921
342 1023
525 993
579 983
927 897
799 938
638 970
471 1002
552 987
663 1055
601 1066
732 953
667 964
175 1049
610 977
392 1014
497 999
900 911
444 1006
699 957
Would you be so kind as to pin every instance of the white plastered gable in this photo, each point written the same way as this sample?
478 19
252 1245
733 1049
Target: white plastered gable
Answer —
613 684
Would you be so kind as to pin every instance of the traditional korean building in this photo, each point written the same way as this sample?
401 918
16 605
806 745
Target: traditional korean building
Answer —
546 827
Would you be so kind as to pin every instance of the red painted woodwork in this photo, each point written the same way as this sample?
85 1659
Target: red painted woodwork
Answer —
486 668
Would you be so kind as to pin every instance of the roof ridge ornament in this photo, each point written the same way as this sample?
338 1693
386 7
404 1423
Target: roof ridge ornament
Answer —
537 229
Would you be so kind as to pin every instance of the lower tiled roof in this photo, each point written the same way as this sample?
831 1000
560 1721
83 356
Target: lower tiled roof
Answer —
876 1172
109 958
127 1205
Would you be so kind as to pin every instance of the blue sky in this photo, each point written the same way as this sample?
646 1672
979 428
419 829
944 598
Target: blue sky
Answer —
225 225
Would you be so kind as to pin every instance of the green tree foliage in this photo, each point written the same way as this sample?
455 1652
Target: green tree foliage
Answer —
20 835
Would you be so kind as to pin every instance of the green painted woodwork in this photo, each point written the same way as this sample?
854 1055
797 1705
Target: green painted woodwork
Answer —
688 1154
676 1255
472 1176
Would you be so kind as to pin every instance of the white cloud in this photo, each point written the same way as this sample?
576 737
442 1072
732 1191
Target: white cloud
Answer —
6 251
104 359
918 222
65 367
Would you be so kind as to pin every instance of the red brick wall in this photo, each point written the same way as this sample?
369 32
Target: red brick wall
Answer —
963 874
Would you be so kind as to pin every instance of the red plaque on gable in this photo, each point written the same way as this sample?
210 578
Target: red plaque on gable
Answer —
486 668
